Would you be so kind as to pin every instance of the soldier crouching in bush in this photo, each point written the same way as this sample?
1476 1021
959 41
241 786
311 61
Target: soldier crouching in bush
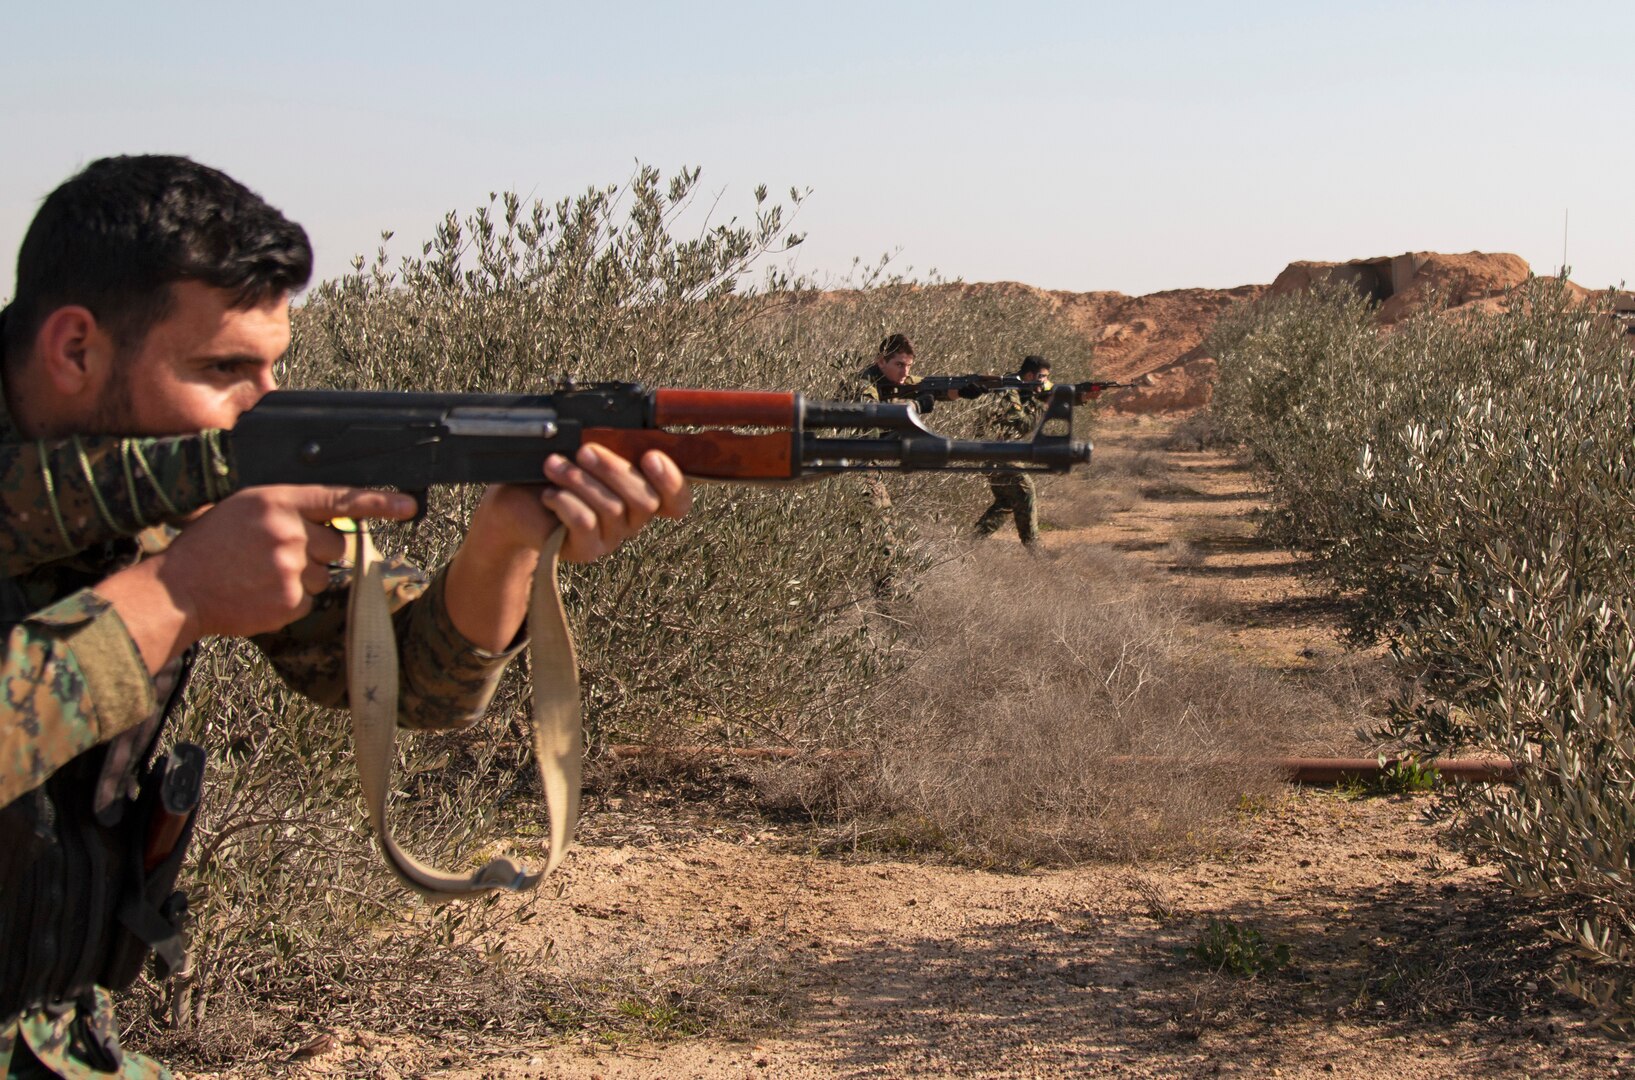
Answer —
153 299
893 364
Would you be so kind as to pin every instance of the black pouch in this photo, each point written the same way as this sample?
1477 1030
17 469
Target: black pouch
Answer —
26 826
153 916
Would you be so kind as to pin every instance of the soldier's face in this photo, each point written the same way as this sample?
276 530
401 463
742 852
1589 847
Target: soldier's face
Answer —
199 367
895 368
1037 376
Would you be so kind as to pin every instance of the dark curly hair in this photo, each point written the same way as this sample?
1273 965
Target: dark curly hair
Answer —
895 345
117 235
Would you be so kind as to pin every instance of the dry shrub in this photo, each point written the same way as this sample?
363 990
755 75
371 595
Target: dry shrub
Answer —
1352 690
1183 555
1085 505
1197 432
1060 708
1089 497
1133 464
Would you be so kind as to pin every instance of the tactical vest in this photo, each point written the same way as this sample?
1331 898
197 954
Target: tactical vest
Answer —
78 906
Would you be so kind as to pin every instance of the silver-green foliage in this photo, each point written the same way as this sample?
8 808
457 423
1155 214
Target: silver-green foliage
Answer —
1470 481
708 617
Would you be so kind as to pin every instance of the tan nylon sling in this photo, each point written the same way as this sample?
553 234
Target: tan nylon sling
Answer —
372 673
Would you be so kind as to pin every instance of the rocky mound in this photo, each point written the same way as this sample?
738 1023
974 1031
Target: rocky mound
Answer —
1404 284
1157 342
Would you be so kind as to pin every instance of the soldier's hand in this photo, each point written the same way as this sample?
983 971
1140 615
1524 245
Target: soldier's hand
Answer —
601 498
256 559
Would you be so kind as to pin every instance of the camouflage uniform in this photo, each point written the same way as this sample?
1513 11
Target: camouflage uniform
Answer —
1013 494
64 497
866 385
75 684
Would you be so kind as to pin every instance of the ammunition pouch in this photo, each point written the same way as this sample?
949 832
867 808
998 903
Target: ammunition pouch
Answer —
82 903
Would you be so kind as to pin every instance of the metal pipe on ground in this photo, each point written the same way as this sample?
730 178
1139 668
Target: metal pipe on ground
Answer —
1300 770
1457 770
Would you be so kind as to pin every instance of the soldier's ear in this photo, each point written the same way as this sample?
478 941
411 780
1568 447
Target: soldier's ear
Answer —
72 352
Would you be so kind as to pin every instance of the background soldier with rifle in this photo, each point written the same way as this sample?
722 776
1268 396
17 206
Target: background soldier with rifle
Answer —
1022 398
1015 414
890 370
928 391
881 381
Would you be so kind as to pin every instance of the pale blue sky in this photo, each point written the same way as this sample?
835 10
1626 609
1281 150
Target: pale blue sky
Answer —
1078 146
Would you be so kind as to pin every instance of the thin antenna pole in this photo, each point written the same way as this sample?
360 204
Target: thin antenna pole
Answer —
1564 243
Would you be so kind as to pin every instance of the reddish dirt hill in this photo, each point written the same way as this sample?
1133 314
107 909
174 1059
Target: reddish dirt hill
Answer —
1157 341
1408 283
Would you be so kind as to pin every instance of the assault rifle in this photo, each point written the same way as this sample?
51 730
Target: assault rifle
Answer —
88 490
933 388
414 440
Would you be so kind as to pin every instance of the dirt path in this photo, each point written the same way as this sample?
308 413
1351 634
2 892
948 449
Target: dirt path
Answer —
1404 961
1195 521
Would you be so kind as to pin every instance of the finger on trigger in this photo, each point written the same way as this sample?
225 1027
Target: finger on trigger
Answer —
324 543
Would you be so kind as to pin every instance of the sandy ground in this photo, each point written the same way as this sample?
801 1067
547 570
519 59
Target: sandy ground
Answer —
1405 961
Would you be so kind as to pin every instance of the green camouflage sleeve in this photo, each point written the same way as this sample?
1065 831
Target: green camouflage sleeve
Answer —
72 678
61 497
444 680
1010 417
858 388
49 1033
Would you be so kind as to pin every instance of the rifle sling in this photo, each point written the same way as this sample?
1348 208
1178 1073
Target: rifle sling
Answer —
372 680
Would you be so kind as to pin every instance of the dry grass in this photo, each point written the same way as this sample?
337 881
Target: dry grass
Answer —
1080 500
1198 432
1183 554
1059 709
1115 462
1085 506
636 994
